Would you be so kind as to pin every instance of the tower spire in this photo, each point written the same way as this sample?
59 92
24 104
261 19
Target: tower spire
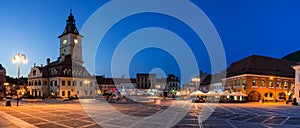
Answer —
70 25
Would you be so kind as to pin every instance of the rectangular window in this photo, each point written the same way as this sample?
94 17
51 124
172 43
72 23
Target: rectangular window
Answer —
271 84
299 78
293 85
63 93
55 83
277 84
80 83
51 83
91 84
285 85
69 83
254 83
63 83
263 83
74 83
243 82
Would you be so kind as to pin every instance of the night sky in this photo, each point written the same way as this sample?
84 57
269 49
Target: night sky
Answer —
269 28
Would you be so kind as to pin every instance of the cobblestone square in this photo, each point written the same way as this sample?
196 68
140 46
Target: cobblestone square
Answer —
72 114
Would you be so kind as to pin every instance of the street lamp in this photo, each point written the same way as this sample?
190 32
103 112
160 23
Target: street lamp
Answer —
18 58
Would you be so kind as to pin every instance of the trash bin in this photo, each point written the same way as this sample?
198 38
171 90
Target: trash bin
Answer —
8 103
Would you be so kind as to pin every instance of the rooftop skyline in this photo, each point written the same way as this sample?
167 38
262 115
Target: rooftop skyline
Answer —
268 28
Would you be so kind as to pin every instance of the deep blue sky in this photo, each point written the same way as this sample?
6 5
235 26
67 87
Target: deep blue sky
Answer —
269 28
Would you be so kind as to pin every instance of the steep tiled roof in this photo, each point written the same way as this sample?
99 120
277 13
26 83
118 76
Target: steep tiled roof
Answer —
61 66
70 26
262 65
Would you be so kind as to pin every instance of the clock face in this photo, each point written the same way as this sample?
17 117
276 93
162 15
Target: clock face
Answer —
75 41
65 42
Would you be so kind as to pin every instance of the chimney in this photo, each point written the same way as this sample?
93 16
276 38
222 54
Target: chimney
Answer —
48 61
34 64
41 65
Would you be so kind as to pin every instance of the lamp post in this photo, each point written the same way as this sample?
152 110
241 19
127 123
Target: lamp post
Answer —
18 58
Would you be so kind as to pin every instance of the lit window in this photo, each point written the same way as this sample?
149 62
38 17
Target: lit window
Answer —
271 84
243 82
254 83
285 84
277 84
292 85
263 83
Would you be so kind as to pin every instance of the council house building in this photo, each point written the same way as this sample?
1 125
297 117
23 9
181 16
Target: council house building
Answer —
66 76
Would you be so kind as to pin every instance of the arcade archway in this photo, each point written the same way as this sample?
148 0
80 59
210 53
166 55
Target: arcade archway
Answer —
254 96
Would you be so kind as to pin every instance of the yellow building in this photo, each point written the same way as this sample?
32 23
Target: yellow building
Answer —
261 78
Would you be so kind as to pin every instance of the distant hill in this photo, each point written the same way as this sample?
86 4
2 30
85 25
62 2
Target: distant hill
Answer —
294 56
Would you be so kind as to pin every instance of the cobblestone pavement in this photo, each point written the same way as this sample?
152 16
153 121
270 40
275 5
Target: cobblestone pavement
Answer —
248 115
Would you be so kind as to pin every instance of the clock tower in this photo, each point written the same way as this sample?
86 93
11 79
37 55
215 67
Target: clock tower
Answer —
71 41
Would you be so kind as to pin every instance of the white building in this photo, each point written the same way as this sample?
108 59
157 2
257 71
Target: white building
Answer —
66 76
297 83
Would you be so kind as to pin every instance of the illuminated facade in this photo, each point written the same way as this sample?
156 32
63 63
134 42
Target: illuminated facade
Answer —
66 76
261 78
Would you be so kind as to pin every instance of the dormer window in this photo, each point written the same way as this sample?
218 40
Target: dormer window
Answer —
34 72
